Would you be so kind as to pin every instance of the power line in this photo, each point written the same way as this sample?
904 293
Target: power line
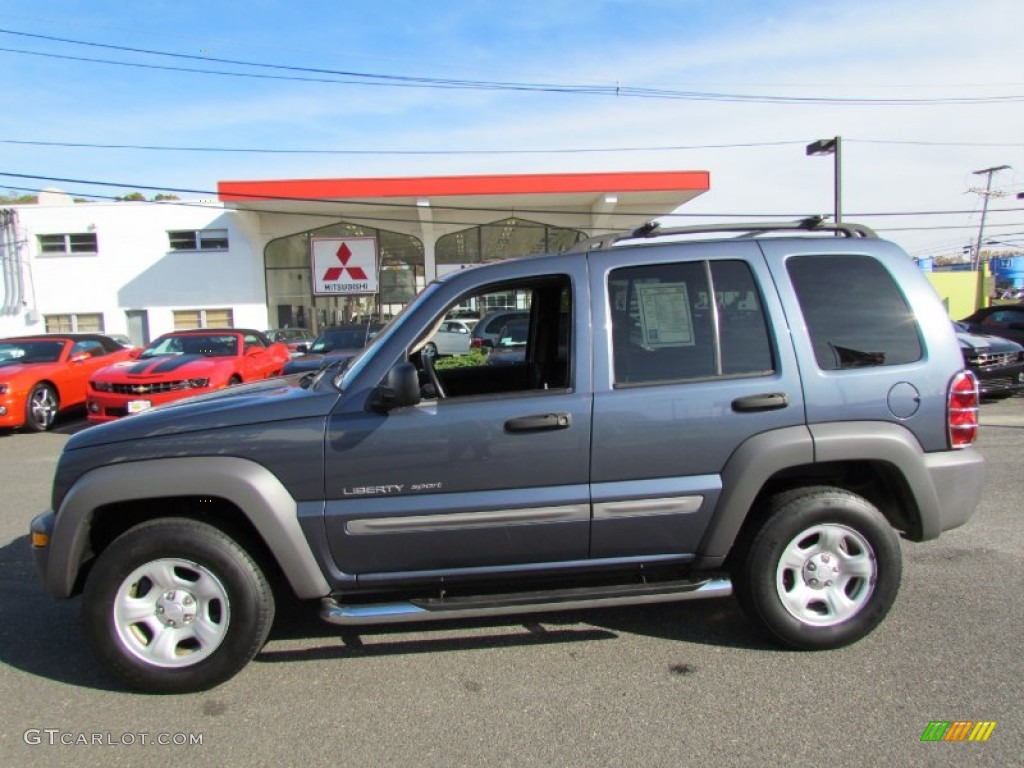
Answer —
315 74
485 209
556 151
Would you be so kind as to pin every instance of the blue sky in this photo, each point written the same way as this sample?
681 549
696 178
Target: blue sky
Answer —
936 90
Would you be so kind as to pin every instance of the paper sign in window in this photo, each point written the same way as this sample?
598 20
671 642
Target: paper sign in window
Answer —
665 316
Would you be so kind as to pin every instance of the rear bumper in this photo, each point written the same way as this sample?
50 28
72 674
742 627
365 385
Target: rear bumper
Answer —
958 477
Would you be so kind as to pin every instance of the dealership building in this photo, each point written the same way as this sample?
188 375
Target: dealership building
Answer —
306 253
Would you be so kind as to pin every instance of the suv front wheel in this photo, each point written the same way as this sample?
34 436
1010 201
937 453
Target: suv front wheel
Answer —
821 571
175 605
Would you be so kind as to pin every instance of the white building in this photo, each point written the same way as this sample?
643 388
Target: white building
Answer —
147 268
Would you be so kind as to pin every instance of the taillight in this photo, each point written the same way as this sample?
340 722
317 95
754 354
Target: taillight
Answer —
962 410
476 343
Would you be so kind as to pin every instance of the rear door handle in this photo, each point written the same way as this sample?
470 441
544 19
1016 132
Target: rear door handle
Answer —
539 422
766 401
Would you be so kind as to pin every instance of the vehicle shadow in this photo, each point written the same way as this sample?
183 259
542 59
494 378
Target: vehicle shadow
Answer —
49 641
718 622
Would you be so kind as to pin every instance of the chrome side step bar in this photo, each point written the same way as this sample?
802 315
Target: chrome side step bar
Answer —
431 609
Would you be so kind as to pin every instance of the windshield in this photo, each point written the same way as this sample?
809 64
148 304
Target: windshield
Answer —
206 344
354 365
30 351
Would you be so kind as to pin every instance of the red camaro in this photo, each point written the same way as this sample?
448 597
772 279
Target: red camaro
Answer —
182 364
43 375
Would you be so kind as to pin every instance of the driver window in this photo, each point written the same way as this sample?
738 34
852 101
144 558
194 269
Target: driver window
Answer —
516 338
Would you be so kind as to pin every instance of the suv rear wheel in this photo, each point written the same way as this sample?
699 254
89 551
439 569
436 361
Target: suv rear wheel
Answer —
821 571
175 605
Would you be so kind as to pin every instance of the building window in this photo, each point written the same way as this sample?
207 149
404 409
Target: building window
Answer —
78 242
504 239
80 323
199 240
188 319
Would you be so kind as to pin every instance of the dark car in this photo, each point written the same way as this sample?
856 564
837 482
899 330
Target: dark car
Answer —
510 344
1004 320
488 330
333 345
998 363
764 414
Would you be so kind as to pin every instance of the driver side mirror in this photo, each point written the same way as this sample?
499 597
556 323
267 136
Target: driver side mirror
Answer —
401 388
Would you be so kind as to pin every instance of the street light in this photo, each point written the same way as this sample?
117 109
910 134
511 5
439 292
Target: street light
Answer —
832 147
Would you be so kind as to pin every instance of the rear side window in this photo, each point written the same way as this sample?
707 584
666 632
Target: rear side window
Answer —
856 315
687 320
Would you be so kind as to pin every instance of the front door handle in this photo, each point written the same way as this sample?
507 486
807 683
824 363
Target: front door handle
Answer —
539 422
766 401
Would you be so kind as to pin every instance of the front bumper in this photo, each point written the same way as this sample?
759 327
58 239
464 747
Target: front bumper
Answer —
42 526
1000 381
12 411
110 406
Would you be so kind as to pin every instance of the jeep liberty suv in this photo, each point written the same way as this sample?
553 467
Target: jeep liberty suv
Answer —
764 413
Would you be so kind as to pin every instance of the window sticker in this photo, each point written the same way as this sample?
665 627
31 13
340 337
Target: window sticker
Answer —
665 316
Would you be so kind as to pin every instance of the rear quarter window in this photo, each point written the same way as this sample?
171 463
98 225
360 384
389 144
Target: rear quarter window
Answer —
856 315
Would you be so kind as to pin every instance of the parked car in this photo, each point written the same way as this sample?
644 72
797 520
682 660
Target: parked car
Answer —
486 332
510 345
40 376
1003 320
452 338
998 363
296 339
122 339
181 364
768 414
333 345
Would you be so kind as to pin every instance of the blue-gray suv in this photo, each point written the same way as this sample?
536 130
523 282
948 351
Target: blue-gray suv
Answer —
761 411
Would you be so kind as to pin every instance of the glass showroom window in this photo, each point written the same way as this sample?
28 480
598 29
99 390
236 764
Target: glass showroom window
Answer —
78 242
199 240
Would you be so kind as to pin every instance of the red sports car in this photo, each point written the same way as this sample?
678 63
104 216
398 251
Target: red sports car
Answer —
182 364
43 375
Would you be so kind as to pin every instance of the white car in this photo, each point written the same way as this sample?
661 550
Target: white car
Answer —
452 338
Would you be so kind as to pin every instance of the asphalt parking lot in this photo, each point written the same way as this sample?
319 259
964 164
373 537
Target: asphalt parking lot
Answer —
686 685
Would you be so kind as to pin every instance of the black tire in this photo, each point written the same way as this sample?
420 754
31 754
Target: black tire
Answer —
236 379
147 583
41 407
818 532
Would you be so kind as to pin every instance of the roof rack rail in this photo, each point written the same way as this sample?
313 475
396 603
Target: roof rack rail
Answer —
744 229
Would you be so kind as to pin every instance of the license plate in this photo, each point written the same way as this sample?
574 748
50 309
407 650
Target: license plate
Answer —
138 406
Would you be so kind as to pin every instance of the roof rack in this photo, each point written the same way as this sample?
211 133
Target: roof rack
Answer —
652 230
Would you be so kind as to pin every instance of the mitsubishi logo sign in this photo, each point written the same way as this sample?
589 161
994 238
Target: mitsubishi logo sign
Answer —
344 265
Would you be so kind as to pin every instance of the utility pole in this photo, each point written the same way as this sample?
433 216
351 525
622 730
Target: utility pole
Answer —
979 293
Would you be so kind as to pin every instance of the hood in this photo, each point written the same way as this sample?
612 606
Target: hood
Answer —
13 368
314 362
163 365
263 401
977 342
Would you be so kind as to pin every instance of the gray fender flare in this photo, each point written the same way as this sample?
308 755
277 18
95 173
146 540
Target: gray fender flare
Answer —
748 469
251 487
763 455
